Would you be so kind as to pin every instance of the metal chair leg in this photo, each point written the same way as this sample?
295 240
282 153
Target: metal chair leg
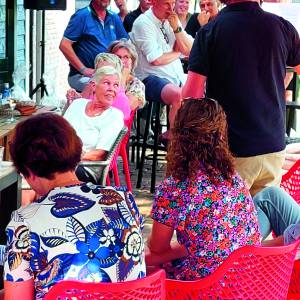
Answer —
141 164
155 149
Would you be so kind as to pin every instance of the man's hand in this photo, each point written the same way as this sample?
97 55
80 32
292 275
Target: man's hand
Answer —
174 21
88 72
203 18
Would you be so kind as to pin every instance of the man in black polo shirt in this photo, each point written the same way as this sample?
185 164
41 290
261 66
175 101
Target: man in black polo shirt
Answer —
208 11
130 18
242 56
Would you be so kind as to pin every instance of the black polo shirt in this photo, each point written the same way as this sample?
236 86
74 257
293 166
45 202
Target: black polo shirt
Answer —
130 18
244 52
192 25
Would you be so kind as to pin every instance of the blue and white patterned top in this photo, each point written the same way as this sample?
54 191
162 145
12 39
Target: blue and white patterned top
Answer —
83 231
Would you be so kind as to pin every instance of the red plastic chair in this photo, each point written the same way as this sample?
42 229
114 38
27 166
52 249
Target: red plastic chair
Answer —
151 287
290 181
294 289
250 272
122 152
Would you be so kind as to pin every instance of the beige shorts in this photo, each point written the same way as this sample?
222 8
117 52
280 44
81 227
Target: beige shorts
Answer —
261 171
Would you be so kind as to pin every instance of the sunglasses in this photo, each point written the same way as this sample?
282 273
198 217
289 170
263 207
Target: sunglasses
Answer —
163 31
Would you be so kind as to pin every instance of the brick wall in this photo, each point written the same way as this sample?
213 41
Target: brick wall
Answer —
55 62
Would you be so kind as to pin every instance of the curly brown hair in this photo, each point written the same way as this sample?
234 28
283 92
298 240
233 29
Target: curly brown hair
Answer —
199 141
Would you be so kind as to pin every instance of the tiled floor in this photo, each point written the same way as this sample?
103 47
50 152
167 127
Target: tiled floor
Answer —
143 196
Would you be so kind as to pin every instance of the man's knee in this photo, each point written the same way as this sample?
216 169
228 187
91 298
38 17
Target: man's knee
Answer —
171 95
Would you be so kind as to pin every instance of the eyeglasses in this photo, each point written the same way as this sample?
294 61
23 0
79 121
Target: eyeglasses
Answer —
163 31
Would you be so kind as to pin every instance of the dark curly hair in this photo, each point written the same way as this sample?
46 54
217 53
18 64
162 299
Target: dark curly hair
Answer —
45 144
199 141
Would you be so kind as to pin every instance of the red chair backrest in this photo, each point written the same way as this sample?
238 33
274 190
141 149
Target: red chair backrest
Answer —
290 181
250 272
151 287
125 139
129 123
294 289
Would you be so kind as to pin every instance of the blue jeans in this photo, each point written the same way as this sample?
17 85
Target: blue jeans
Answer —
276 210
78 82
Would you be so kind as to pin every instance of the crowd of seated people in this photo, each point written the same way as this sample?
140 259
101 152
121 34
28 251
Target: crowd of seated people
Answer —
131 95
94 233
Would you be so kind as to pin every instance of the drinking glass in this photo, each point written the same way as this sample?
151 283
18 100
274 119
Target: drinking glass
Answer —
1 155
12 105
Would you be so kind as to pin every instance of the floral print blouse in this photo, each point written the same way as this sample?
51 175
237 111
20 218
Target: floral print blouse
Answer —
210 220
83 232
136 88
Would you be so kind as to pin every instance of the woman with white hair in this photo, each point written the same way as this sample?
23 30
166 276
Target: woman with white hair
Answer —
95 121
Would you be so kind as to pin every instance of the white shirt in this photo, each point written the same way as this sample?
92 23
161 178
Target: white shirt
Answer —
150 44
99 132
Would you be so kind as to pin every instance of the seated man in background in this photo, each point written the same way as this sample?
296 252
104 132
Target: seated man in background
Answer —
131 17
123 10
89 32
208 11
75 230
160 41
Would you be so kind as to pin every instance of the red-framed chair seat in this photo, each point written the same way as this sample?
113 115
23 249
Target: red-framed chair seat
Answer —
250 272
290 181
151 287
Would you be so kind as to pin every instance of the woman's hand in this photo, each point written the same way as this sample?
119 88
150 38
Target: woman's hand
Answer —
89 90
126 75
134 101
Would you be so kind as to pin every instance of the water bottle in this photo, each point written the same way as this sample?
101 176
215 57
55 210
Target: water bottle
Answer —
5 94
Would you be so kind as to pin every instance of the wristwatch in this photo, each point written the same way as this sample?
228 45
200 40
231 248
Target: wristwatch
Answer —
178 29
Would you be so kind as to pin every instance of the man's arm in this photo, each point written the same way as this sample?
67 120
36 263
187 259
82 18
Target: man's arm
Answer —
69 53
95 155
184 42
166 58
194 86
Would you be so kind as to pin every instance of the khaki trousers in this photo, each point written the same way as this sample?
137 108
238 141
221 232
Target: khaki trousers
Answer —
261 171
